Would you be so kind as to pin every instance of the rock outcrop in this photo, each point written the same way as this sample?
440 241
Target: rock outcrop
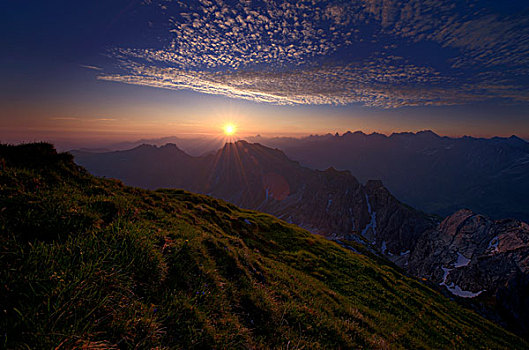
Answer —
476 257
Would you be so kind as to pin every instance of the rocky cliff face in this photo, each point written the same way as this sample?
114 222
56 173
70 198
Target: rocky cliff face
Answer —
476 257
396 227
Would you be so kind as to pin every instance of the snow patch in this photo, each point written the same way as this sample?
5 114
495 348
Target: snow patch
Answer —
455 289
445 275
493 244
373 223
384 247
329 202
461 261
368 204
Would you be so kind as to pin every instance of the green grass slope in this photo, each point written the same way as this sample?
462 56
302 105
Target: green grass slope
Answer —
87 262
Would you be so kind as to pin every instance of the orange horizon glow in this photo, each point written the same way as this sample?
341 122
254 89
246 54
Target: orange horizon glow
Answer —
97 126
85 123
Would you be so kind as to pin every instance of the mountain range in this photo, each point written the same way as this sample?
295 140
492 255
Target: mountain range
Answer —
436 174
482 261
91 263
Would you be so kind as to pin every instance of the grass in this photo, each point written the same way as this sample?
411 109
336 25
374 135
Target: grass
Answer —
87 262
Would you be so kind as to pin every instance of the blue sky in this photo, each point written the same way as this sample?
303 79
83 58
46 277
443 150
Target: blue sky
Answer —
124 69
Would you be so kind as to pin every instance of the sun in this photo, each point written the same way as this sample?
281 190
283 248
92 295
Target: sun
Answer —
229 129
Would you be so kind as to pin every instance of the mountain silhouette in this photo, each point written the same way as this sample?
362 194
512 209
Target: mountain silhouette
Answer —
436 174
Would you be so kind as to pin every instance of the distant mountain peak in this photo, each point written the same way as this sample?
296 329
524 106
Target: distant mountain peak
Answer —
352 134
422 133
255 153
427 133
404 133
169 145
145 146
517 140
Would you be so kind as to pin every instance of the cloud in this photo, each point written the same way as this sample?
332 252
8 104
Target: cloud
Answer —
375 84
90 67
482 36
379 53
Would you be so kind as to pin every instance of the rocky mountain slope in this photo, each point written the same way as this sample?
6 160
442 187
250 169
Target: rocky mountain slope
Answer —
91 263
476 257
436 174
334 204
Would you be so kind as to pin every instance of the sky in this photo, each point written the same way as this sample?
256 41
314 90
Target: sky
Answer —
98 71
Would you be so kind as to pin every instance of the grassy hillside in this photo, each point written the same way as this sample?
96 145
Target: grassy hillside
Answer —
88 262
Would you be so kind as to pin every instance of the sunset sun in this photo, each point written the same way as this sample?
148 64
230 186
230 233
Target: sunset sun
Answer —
229 129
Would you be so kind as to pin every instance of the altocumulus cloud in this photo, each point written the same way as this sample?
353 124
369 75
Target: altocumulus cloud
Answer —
379 53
